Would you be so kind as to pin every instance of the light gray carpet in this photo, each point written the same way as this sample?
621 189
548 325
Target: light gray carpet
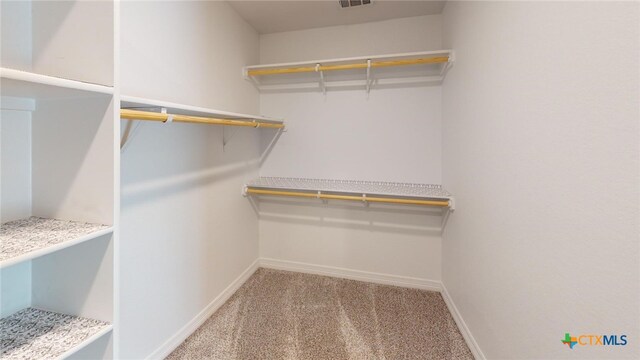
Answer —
286 315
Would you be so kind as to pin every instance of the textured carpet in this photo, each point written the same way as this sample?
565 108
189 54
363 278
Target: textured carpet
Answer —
287 315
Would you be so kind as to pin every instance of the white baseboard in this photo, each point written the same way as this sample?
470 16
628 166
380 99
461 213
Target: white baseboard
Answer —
385 279
464 329
165 349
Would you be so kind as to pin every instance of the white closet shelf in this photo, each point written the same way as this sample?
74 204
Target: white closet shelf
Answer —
23 84
366 191
136 103
39 334
365 71
26 239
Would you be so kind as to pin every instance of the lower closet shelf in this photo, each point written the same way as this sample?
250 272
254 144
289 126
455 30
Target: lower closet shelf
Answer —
29 238
365 191
38 334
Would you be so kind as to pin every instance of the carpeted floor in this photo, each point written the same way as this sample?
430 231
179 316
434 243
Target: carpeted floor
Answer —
285 315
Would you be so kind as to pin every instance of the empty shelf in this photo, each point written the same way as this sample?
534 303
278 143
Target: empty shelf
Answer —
24 84
26 239
370 191
39 334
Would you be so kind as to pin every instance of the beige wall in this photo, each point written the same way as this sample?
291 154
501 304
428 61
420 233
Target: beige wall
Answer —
186 232
540 147
392 135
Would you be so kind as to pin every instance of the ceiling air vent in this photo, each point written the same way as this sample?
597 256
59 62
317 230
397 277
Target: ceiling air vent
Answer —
351 3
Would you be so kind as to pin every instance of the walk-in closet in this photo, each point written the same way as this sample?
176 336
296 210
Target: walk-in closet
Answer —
339 179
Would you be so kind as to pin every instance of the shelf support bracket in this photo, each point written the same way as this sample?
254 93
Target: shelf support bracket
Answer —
254 81
324 201
322 85
368 84
447 65
227 135
127 134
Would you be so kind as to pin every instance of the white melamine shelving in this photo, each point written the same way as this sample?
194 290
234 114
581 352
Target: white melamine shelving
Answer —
26 239
385 70
39 334
23 84
363 189
136 103
59 161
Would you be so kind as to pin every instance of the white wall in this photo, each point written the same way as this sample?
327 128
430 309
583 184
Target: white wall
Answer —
540 148
186 232
15 284
73 181
419 33
68 39
15 37
74 39
15 159
392 136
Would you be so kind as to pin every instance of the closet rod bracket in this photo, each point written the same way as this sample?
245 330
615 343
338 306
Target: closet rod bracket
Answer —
368 83
169 116
322 84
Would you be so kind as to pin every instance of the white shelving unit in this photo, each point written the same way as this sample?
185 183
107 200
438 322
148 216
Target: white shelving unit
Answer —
27 239
36 334
59 182
366 72
365 191
24 84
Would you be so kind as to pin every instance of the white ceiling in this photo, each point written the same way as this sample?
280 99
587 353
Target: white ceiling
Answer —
277 16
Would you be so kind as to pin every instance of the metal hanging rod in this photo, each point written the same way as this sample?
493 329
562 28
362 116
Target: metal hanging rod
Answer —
319 195
364 65
164 117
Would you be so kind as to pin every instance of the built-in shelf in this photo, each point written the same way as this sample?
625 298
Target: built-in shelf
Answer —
26 239
366 191
157 106
17 84
356 72
38 334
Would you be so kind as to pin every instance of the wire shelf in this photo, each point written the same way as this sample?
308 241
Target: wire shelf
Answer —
426 191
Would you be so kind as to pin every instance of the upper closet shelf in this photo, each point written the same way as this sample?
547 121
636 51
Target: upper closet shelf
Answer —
26 239
17 85
365 191
366 72
133 108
